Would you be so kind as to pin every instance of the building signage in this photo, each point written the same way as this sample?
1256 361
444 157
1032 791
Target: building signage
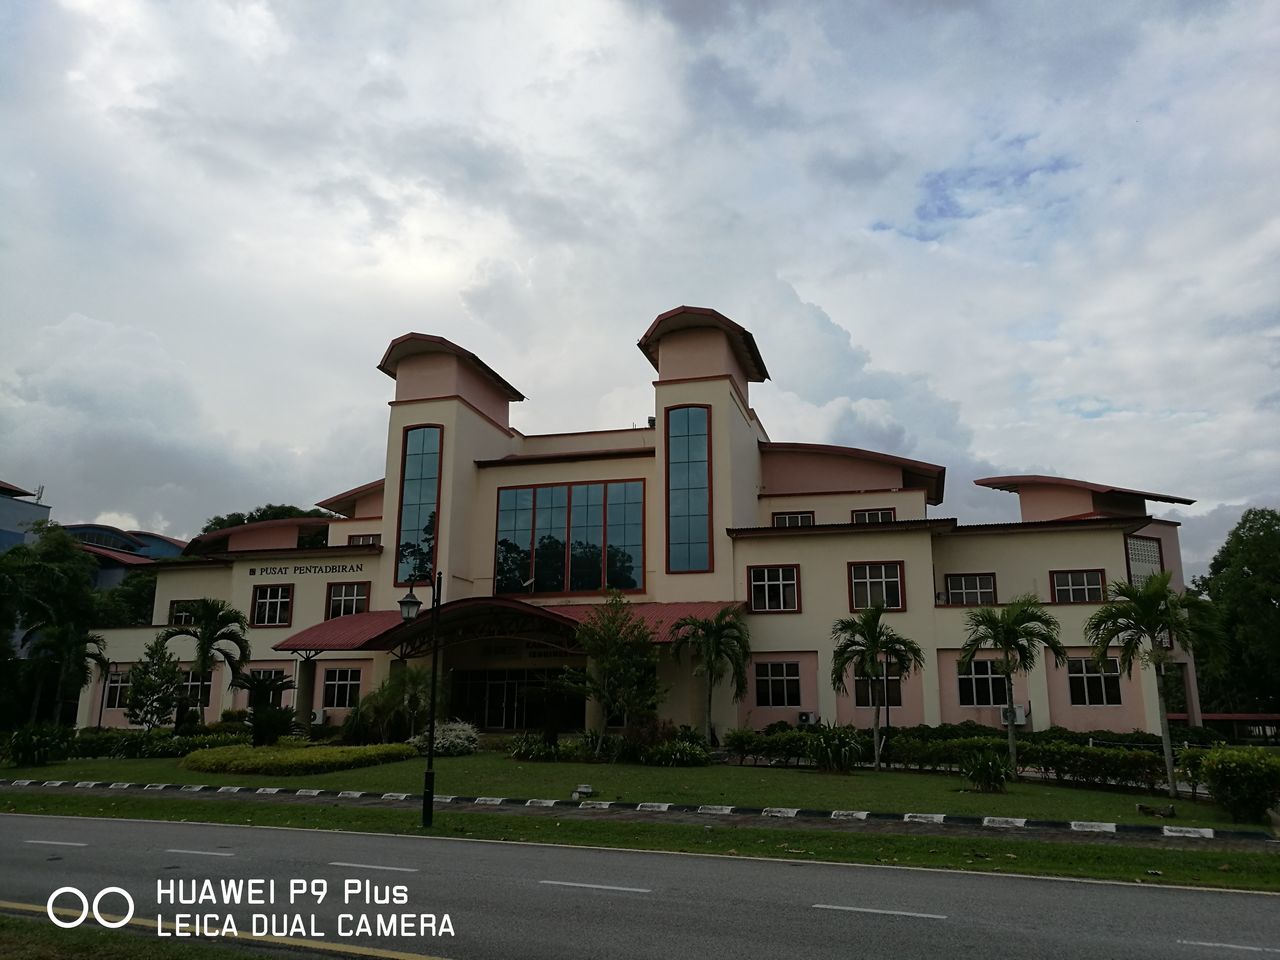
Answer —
303 569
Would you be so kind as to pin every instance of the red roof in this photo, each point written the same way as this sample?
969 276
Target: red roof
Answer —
9 490
120 556
205 540
930 476
658 617
1013 483
741 341
415 343
343 633
349 497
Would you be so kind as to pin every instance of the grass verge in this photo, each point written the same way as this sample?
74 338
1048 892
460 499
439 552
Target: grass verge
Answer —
41 940
496 775
1245 870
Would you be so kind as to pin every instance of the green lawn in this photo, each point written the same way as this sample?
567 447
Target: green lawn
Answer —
41 940
1148 863
495 774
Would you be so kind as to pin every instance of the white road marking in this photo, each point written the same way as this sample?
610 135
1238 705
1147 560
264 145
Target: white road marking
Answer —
891 913
372 866
594 886
56 843
1228 946
203 853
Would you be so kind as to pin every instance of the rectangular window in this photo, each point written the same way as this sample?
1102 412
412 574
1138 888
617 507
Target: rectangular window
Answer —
117 691
1092 685
803 518
364 539
180 614
273 605
688 489
346 598
419 495
774 589
575 538
971 589
341 688
1078 586
778 684
878 515
196 688
876 584
868 691
983 686
277 696
1146 557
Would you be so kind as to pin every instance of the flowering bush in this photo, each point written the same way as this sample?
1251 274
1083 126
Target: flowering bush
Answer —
453 739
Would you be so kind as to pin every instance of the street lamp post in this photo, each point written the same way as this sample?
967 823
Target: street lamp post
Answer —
409 608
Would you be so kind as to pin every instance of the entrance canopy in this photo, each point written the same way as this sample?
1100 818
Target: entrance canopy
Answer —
473 617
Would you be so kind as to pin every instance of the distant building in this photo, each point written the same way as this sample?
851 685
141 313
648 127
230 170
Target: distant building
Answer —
18 514
120 551
698 511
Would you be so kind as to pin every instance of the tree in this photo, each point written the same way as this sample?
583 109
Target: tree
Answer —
867 645
218 631
1144 621
271 511
128 605
622 672
1238 662
721 645
268 721
1016 632
46 589
154 684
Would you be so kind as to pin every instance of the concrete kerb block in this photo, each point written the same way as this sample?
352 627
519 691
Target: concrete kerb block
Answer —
849 814
653 807
445 798
230 789
715 809
924 818
1198 833
395 796
53 783
594 805
1092 826
539 803
269 791
27 783
488 801
779 811
121 785
155 786
350 794
88 784
308 793
1005 823
193 787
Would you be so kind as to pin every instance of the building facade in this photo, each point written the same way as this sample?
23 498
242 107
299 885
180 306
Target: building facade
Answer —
696 511
19 512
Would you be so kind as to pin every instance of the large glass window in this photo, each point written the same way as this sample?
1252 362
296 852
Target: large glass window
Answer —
1093 685
778 684
1078 586
578 537
876 584
419 495
983 686
688 490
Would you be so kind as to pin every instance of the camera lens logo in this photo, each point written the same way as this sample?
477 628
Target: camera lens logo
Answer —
85 908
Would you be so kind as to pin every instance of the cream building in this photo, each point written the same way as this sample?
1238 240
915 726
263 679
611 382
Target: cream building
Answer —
698 510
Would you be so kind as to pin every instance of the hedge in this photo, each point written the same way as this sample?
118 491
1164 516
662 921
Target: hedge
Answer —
295 761
1245 781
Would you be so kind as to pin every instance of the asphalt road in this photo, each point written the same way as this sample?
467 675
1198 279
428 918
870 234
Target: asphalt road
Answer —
533 901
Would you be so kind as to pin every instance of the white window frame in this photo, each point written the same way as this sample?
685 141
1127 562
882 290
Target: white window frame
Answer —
982 674
1070 592
277 696
354 593
773 583
364 539
862 688
272 605
1085 668
341 679
778 675
970 596
798 518
877 575
117 693
180 615
199 683
874 515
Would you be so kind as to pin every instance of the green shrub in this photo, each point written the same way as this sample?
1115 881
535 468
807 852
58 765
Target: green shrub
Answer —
453 739
229 726
786 745
323 733
743 742
1191 767
677 753
233 716
533 746
1245 781
294 761
36 746
836 749
778 726
988 770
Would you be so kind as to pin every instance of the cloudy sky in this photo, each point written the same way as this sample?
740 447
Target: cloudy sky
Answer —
1005 237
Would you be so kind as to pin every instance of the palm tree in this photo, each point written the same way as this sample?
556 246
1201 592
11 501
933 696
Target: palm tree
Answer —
862 642
68 650
722 644
266 720
1144 620
218 630
1015 632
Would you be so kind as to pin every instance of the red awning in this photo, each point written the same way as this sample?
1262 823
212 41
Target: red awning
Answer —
658 617
351 632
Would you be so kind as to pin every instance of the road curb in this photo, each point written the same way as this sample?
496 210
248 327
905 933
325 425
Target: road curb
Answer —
1004 825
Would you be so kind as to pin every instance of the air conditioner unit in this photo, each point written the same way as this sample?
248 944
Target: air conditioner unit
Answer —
807 718
317 717
1019 715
